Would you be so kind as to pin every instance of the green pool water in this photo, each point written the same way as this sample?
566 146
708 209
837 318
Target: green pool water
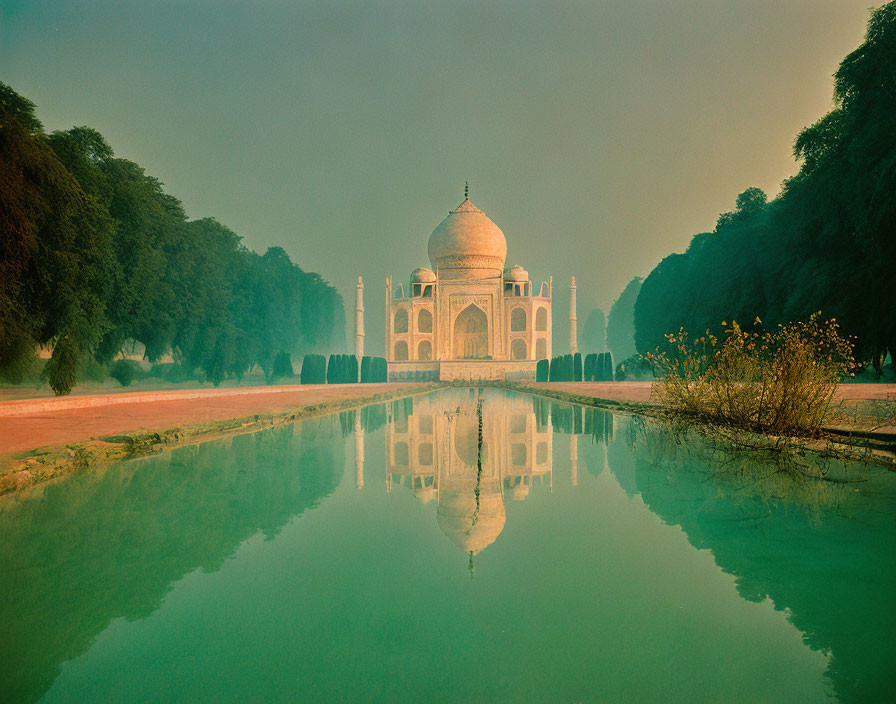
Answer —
390 554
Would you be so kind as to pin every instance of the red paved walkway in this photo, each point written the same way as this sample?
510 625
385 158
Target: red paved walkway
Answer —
76 419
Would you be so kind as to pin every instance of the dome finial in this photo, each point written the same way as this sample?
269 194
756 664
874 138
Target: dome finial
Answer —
466 190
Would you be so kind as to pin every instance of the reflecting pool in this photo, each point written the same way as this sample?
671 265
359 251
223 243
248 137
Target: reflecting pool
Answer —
410 552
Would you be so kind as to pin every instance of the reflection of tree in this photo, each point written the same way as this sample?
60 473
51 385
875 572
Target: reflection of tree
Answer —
820 548
599 425
95 548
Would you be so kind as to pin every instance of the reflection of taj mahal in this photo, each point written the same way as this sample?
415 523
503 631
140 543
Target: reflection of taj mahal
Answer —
435 452
468 317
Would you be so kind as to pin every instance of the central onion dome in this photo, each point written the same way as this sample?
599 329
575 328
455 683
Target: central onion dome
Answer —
466 244
470 529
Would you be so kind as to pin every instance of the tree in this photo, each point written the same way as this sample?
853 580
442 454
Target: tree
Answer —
594 338
94 253
824 244
621 323
54 262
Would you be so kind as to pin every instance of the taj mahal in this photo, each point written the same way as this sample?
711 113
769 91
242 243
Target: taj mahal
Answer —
468 316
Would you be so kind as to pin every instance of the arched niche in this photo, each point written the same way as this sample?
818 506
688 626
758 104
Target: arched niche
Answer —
518 349
400 324
471 333
401 351
424 351
541 319
424 321
517 320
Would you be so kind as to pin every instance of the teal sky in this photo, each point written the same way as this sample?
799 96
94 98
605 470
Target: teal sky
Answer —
600 136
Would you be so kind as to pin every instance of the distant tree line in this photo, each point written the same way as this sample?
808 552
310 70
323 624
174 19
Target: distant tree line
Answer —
93 253
827 243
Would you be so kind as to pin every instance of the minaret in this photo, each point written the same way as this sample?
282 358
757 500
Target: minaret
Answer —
359 324
359 450
573 328
388 316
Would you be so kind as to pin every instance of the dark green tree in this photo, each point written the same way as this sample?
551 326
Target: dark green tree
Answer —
621 323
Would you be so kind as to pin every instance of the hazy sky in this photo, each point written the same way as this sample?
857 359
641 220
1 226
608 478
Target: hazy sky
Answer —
600 136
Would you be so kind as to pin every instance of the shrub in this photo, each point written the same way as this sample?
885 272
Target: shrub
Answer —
61 370
314 369
178 373
590 363
603 367
159 371
91 370
380 369
635 368
365 369
351 369
333 369
778 382
125 371
282 366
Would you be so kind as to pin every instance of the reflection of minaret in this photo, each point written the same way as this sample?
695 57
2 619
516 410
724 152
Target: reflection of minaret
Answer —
359 324
359 451
388 317
574 457
573 321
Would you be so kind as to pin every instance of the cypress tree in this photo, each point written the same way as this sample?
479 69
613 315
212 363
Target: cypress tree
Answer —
542 370
379 370
306 370
311 369
282 366
320 369
577 367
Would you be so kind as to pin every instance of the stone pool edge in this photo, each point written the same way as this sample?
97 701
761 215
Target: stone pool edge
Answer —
23 471
853 444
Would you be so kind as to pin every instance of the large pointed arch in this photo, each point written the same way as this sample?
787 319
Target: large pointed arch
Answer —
471 333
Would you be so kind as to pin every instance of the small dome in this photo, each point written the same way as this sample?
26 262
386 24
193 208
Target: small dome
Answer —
516 273
422 275
425 493
467 240
519 492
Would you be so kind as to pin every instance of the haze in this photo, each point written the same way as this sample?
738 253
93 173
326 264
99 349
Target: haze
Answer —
599 136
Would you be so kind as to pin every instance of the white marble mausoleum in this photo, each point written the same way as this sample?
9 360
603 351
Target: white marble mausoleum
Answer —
467 317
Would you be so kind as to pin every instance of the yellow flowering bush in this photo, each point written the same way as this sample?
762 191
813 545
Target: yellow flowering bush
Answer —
779 382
